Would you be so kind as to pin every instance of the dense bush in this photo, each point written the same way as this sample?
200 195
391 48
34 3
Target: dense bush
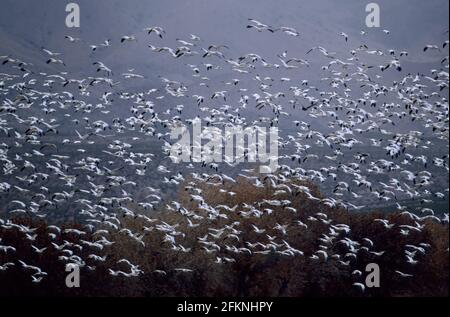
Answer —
272 274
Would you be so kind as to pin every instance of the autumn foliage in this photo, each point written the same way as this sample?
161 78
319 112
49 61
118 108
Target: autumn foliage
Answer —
256 274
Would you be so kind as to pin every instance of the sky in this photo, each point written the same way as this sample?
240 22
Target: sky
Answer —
28 26
32 24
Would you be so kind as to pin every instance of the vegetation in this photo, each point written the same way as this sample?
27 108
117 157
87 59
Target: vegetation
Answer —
271 274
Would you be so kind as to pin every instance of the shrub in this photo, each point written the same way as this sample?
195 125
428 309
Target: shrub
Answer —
272 274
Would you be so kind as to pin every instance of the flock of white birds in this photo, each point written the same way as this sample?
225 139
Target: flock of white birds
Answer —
67 147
